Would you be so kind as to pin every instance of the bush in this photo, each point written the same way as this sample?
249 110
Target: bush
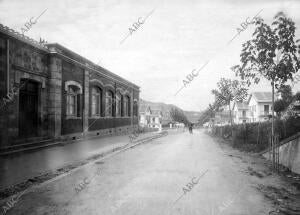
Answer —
255 136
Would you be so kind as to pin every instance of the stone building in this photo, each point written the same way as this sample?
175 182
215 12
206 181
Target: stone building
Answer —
48 93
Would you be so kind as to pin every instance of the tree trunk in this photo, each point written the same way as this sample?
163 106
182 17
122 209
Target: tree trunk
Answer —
230 118
272 137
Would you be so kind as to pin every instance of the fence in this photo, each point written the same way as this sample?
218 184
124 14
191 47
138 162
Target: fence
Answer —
256 136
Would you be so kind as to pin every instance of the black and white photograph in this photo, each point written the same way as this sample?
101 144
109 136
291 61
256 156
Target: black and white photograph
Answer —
150 107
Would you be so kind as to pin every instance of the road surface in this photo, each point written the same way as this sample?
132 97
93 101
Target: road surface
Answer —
180 173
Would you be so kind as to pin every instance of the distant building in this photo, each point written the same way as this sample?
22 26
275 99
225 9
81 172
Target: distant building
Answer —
144 116
241 112
150 118
260 106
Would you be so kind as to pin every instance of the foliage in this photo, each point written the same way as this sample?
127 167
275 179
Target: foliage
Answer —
296 97
178 116
228 91
286 93
209 113
272 52
279 106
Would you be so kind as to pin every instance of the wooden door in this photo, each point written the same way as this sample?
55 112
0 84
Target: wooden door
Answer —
28 109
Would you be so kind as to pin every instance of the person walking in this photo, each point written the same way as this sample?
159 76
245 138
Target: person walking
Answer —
191 128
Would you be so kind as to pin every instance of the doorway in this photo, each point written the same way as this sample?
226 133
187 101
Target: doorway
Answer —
28 109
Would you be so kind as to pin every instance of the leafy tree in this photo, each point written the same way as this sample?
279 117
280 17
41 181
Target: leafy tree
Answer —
286 93
279 106
272 54
296 97
229 91
208 113
178 116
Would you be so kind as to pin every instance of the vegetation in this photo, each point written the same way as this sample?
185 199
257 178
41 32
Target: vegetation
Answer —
208 113
229 91
178 115
280 106
272 53
254 136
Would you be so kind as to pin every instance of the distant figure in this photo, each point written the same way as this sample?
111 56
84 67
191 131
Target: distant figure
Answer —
191 128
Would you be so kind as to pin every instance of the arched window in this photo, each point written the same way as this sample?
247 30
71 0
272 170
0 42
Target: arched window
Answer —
96 101
118 105
126 106
109 103
73 101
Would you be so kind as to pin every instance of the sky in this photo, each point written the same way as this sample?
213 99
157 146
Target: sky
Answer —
177 37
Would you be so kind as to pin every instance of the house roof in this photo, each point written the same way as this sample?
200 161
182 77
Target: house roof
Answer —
156 112
143 108
261 96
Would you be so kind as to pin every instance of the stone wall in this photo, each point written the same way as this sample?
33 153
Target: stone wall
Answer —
289 153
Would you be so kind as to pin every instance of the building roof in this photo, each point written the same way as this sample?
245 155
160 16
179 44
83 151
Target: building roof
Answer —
143 108
261 96
156 112
55 48
17 35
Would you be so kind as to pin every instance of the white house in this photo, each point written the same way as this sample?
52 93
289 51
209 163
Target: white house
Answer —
260 106
150 118
241 112
156 119
144 112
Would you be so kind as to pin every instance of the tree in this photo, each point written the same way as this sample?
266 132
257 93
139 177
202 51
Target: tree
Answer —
296 97
279 106
209 113
178 116
286 93
229 91
272 53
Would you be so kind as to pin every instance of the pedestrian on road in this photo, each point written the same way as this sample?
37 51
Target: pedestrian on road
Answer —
191 128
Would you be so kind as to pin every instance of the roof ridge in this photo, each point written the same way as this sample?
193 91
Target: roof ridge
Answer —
18 35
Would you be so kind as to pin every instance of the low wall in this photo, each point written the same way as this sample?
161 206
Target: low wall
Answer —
289 153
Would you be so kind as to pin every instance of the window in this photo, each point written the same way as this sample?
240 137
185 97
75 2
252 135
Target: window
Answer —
244 113
266 109
96 101
109 104
127 106
118 104
73 101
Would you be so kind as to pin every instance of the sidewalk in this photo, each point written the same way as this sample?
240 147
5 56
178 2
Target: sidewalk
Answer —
18 168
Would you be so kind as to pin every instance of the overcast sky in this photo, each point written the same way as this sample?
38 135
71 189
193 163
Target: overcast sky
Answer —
179 36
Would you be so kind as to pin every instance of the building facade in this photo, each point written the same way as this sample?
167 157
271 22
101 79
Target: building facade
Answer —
150 118
260 106
241 112
50 92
